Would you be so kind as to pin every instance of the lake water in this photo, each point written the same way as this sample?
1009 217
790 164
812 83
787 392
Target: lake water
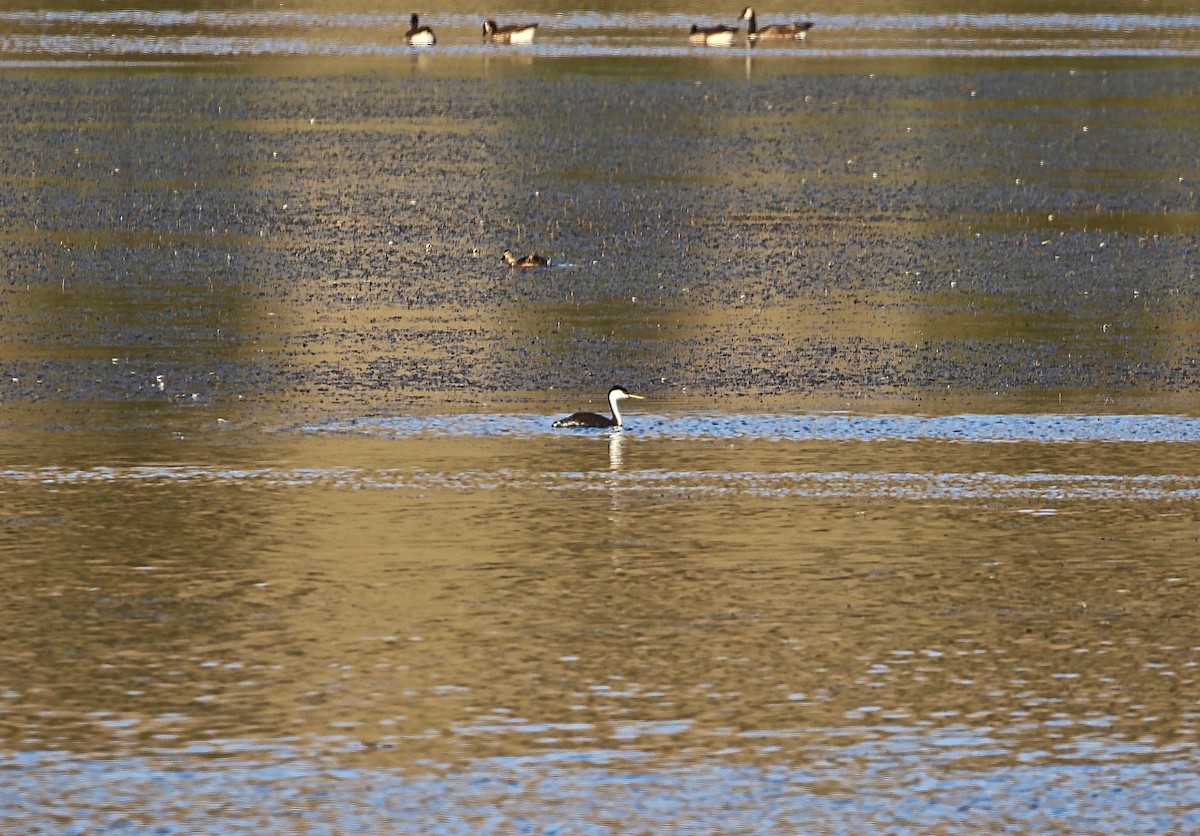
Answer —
903 537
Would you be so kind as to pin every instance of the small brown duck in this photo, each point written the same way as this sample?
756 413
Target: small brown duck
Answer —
525 261
779 31
418 35
519 33
712 35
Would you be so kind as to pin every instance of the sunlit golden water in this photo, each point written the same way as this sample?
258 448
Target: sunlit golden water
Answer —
455 599
903 536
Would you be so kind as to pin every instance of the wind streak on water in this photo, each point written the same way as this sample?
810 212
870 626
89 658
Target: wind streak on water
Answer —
134 33
174 19
231 47
965 428
803 484
911 782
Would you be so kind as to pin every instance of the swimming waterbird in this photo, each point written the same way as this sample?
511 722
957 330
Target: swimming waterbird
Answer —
531 260
778 31
712 35
592 419
519 33
419 35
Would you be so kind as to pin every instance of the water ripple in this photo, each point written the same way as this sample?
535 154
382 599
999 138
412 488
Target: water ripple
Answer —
910 781
1048 487
583 19
972 428
210 33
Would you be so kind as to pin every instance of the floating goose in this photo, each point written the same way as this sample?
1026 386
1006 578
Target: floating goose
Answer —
520 33
778 31
419 35
712 35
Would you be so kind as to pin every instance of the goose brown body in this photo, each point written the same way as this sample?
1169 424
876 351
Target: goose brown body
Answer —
519 33
778 31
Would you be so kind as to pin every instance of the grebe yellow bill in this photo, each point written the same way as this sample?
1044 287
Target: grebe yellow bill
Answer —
592 419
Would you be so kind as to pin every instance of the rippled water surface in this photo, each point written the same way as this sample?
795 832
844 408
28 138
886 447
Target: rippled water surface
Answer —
589 630
902 538
1159 31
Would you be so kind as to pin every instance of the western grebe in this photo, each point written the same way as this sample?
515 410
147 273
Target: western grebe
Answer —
520 33
712 35
779 31
419 35
592 419
531 260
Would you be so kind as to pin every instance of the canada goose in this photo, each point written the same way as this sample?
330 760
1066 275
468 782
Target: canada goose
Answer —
520 33
419 35
712 35
531 260
592 419
778 31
